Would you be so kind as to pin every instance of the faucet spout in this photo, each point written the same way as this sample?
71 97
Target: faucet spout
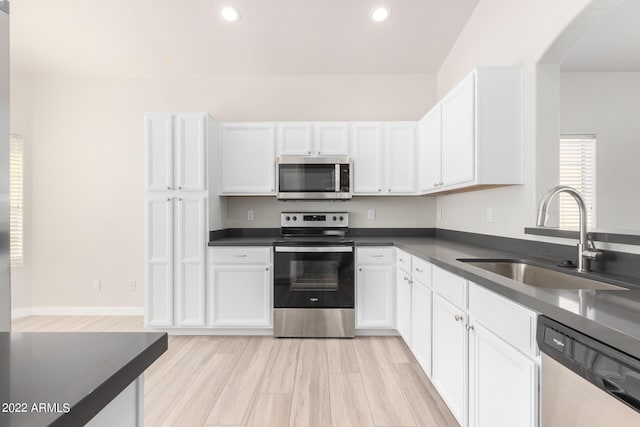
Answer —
586 251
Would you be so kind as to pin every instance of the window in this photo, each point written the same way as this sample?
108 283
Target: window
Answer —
578 170
16 196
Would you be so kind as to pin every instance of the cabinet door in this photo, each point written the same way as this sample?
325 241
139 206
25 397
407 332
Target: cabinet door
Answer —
400 140
502 383
403 305
367 153
190 264
159 151
421 325
191 155
247 159
375 297
240 295
159 262
458 133
449 373
429 150
331 139
294 139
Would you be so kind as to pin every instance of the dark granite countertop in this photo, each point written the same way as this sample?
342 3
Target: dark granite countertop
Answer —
84 370
612 317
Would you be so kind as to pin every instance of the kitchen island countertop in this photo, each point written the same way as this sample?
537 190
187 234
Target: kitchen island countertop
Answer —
66 378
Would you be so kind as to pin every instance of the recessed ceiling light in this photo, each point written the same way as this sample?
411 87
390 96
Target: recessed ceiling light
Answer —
230 14
380 14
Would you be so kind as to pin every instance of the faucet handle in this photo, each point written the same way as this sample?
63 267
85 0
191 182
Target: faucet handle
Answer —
591 252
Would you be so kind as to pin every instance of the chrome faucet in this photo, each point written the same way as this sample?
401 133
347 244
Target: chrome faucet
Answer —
586 249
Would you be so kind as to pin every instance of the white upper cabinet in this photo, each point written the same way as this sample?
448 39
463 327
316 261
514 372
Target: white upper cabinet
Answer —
473 137
191 141
331 139
295 139
159 151
430 131
384 157
367 153
313 139
176 151
247 159
458 143
400 141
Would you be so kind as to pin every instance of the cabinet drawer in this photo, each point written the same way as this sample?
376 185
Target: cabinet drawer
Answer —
450 286
374 256
240 255
403 261
507 319
421 270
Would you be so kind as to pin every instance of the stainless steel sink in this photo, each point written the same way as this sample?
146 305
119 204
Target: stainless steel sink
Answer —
540 277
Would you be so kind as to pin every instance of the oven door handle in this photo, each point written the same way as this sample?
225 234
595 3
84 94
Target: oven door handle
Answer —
314 248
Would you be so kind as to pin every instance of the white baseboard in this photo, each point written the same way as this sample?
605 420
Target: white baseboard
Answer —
77 311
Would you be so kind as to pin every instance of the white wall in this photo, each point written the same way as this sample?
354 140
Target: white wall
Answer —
87 152
392 212
608 105
507 32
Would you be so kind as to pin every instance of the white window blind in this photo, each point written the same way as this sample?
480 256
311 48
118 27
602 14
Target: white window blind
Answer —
16 196
578 170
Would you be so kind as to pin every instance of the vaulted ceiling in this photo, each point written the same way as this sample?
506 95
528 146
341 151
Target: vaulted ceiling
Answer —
142 38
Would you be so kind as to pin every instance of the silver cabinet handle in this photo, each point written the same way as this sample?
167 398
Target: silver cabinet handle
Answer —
308 152
318 153
405 278
400 259
168 199
179 188
178 199
419 270
266 269
360 269
377 256
469 327
240 255
379 189
458 317
389 190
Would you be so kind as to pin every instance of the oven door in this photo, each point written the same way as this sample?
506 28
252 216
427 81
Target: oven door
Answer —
313 277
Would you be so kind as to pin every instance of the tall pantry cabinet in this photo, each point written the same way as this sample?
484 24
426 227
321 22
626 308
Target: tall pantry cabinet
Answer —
176 218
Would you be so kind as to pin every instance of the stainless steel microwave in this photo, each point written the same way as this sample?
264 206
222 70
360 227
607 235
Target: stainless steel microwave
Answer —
314 178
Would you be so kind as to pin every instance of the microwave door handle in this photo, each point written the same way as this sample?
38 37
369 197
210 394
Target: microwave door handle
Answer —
338 187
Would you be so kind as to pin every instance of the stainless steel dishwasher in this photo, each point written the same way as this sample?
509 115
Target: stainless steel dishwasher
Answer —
586 382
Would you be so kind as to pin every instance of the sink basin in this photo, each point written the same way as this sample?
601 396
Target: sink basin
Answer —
537 276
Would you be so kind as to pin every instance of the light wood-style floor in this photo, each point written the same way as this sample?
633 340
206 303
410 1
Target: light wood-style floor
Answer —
264 381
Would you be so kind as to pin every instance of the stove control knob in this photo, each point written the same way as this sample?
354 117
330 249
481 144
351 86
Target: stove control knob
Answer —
288 218
295 218
335 218
341 218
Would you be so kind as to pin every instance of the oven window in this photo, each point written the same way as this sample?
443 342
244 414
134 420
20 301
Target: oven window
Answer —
307 178
307 275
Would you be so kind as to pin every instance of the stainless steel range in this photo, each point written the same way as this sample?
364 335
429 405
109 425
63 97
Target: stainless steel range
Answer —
314 276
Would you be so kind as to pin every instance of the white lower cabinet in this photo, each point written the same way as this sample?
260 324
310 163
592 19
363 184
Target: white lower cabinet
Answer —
403 305
502 383
421 299
449 373
375 288
239 291
484 360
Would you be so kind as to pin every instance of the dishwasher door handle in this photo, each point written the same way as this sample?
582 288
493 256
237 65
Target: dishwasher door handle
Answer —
617 391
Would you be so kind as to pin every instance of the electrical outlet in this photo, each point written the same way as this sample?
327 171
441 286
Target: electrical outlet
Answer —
371 214
132 285
96 284
439 214
489 215
250 215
